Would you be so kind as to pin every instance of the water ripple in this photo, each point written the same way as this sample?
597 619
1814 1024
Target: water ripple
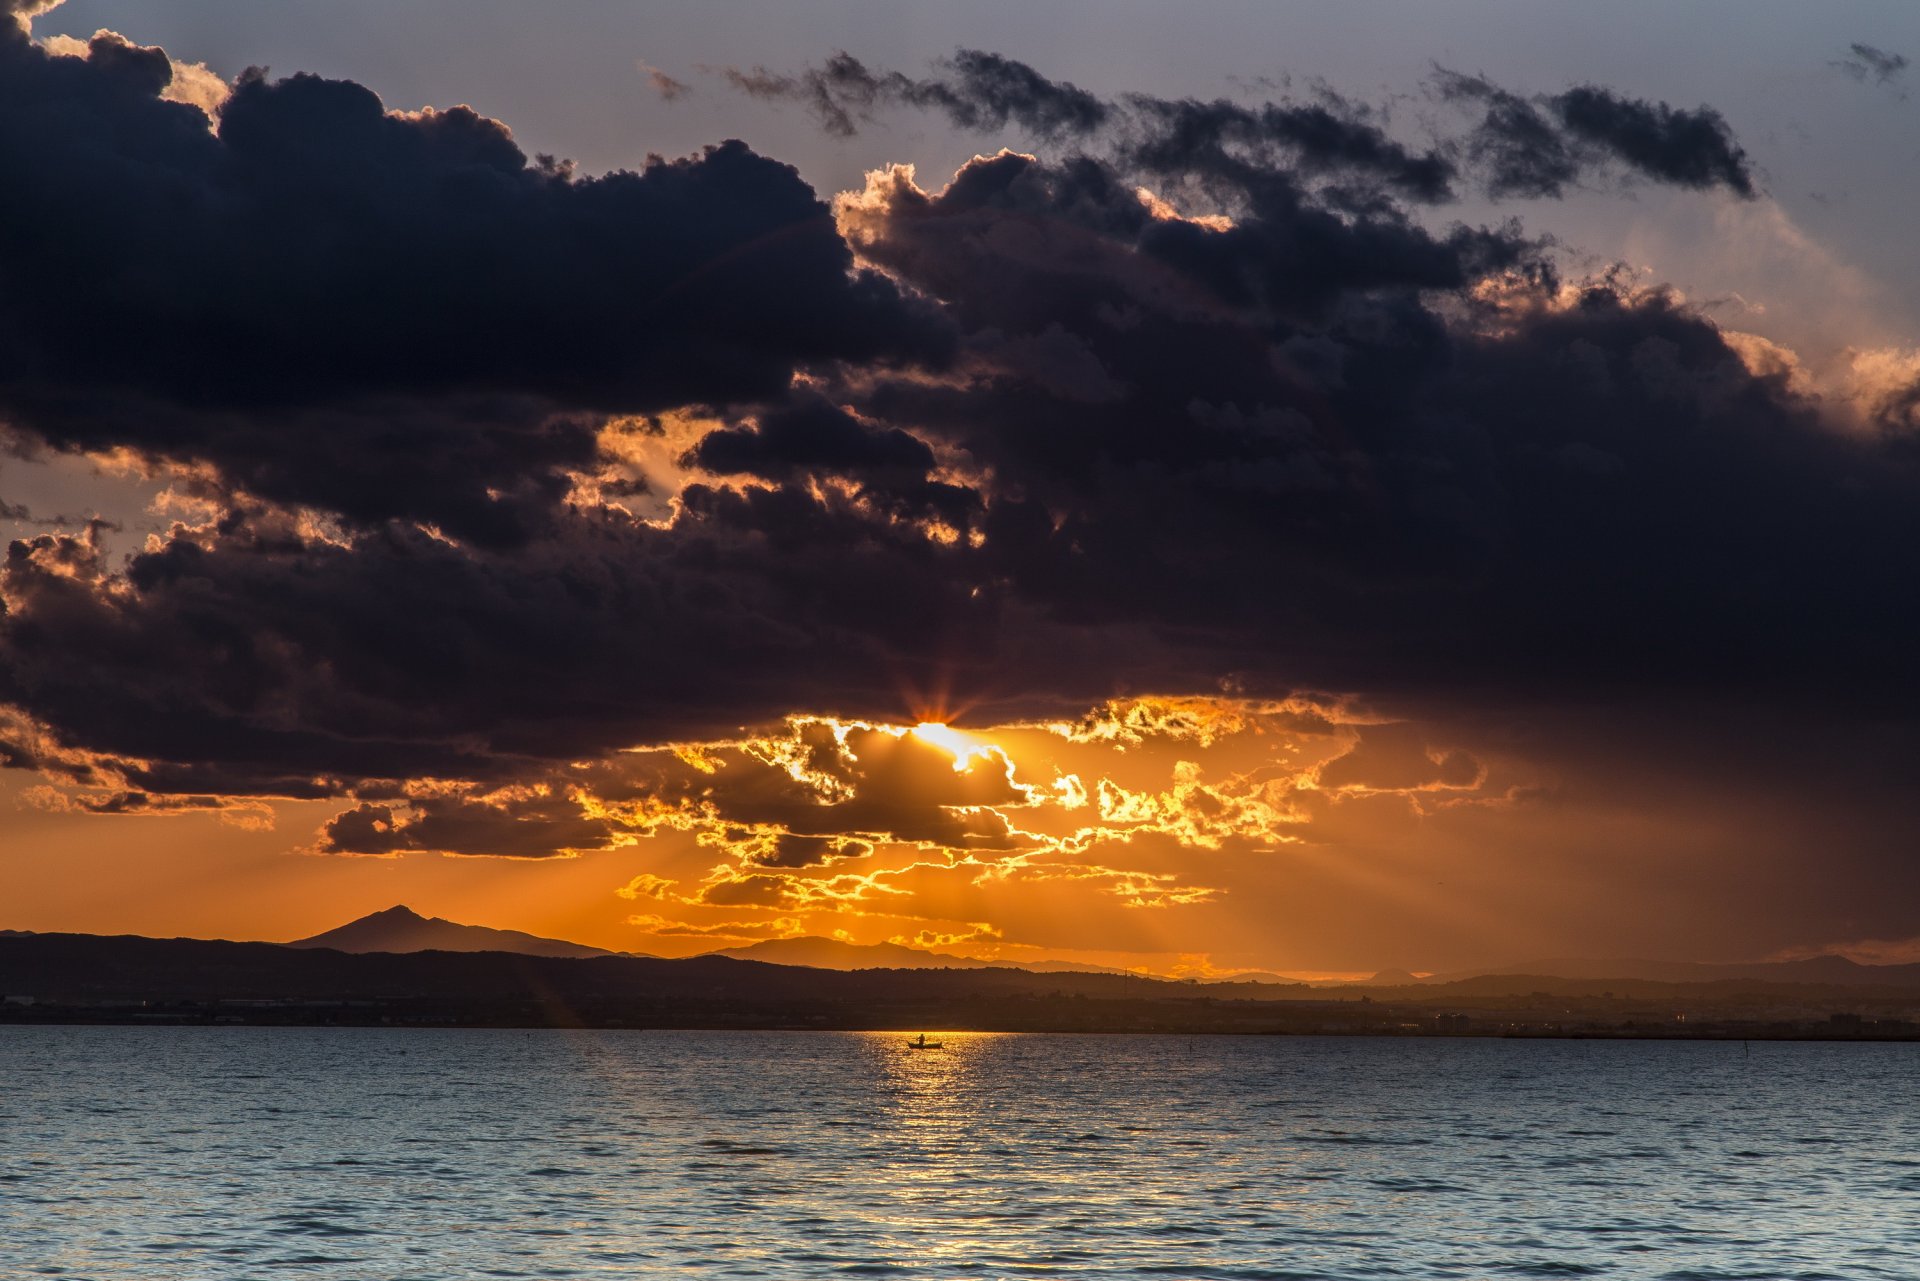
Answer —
160 1153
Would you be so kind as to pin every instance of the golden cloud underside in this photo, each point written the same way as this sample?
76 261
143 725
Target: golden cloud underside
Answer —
968 840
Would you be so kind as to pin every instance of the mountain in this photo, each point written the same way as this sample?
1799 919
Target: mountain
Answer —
1835 971
1392 978
832 954
79 977
401 929
69 978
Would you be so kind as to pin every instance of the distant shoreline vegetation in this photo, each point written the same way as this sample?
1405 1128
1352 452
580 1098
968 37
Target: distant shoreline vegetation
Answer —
86 979
393 1017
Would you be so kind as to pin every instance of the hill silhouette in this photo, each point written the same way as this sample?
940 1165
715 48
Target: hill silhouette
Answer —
128 979
1828 970
401 929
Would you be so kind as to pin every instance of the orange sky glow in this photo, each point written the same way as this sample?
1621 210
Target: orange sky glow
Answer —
1129 523
1182 836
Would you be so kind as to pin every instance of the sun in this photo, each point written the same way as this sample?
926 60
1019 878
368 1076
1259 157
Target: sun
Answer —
962 747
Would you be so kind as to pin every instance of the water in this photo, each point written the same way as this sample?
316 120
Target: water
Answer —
371 1154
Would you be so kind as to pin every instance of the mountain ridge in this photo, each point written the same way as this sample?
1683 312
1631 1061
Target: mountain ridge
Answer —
62 978
1828 968
400 929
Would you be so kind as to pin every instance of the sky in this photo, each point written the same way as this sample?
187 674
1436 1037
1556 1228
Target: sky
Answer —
1300 487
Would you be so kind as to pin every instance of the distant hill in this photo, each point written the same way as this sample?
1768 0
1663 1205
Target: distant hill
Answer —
833 954
401 929
73 978
1390 978
87 970
1832 971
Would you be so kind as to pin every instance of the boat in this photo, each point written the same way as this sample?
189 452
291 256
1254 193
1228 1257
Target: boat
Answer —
923 1043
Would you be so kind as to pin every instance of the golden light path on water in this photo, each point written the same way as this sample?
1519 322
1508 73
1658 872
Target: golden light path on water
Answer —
930 1100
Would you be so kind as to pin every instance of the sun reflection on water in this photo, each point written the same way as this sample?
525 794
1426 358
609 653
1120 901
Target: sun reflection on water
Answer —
931 1094
935 1110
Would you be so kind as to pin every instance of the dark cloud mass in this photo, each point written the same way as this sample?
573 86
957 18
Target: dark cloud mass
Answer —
1541 146
1011 445
975 90
317 282
1327 138
1530 147
810 434
1329 445
1685 148
522 827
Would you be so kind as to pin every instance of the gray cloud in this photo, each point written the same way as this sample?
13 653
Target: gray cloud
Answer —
1528 147
1538 147
973 89
1865 62
382 315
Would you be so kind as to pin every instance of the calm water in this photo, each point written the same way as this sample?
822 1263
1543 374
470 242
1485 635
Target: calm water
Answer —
372 1154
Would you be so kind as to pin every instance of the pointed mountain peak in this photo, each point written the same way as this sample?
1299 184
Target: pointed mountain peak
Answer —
1391 978
401 929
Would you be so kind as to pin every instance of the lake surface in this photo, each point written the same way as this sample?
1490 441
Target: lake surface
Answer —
378 1155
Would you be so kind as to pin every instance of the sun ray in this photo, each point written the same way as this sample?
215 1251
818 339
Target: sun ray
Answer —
962 747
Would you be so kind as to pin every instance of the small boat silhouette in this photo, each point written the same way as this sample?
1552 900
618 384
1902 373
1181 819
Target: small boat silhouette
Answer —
923 1043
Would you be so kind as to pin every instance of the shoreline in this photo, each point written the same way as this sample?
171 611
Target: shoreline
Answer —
326 1017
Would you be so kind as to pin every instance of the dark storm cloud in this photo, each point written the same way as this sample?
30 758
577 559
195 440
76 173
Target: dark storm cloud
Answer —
1527 147
1519 149
1338 462
518 827
1541 146
491 469
1686 148
1330 137
266 656
987 91
1057 442
975 90
810 434
1865 62
317 284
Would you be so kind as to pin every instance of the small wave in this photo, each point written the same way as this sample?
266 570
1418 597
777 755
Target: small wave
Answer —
319 1228
1551 1268
1415 1185
1344 1137
731 1148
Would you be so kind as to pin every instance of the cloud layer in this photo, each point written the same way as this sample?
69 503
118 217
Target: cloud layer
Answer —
1210 396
